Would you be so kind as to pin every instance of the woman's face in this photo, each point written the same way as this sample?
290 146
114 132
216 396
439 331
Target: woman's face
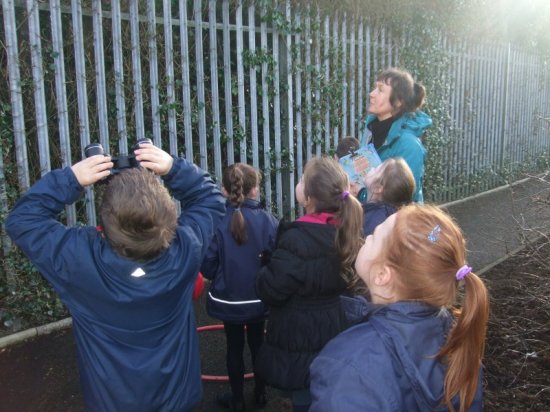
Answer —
380 101
371 250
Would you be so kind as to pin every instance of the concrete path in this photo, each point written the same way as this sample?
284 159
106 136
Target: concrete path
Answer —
498 222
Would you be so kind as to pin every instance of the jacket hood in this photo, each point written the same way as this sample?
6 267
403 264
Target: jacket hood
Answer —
398 324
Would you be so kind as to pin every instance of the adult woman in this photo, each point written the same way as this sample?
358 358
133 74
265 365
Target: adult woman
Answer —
395 123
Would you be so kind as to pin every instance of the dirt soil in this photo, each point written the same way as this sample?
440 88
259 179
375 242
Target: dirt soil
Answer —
41 374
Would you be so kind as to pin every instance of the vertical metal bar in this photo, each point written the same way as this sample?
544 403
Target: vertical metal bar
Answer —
119 78
504 111
61 95
344 80
240 81
185 82
461 121
265 115
298 96
453 164
290 117
335 45
227 83
153 71
136 69
170 77
277 123
375 45
15 95
38 83
360 75
317 83
309 107
352 76
199 65
389 48
101 84
499 76
82 97
326 62
253 86
214 88
368 46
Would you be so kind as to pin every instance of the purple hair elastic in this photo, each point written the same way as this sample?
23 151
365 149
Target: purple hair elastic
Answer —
462 272
344 195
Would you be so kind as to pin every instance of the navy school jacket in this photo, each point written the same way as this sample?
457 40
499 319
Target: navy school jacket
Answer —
136 337
386 362
232 268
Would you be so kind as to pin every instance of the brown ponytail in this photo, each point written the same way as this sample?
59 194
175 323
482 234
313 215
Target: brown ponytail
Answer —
327 183
466 344
238 180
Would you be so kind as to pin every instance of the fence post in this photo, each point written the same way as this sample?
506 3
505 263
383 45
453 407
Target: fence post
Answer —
505 105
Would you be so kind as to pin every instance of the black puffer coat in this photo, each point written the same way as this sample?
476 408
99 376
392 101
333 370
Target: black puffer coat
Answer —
301 285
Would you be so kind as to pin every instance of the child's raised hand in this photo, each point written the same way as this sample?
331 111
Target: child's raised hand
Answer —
92 169
154 159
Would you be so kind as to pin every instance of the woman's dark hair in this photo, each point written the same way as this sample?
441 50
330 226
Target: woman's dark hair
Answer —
407 95
138 215
238 180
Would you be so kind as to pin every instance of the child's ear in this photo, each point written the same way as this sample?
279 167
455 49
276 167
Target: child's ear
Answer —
384 277
253 194
224 192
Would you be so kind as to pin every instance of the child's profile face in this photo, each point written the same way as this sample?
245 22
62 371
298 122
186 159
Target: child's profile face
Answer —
300 196
371 250
372 181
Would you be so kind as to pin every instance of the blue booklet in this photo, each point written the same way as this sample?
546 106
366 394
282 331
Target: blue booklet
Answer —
359 163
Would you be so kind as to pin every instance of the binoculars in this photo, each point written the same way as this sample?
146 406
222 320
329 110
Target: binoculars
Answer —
121 161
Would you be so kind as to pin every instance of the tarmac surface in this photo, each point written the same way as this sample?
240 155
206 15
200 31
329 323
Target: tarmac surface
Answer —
41 374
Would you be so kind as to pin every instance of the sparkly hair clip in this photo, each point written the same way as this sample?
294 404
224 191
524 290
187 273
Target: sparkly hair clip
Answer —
463 272
344 195
434 234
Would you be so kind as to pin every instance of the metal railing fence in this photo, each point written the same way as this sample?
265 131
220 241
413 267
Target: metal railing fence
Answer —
220 82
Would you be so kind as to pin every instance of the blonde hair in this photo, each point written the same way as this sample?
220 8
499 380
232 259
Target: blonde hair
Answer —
426 272
325 182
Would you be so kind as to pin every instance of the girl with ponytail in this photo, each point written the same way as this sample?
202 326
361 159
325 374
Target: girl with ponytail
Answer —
311 266
395 123
415 350
241 243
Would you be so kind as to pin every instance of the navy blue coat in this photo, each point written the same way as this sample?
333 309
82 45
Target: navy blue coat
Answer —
136 337
375 213
386 363
233 267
